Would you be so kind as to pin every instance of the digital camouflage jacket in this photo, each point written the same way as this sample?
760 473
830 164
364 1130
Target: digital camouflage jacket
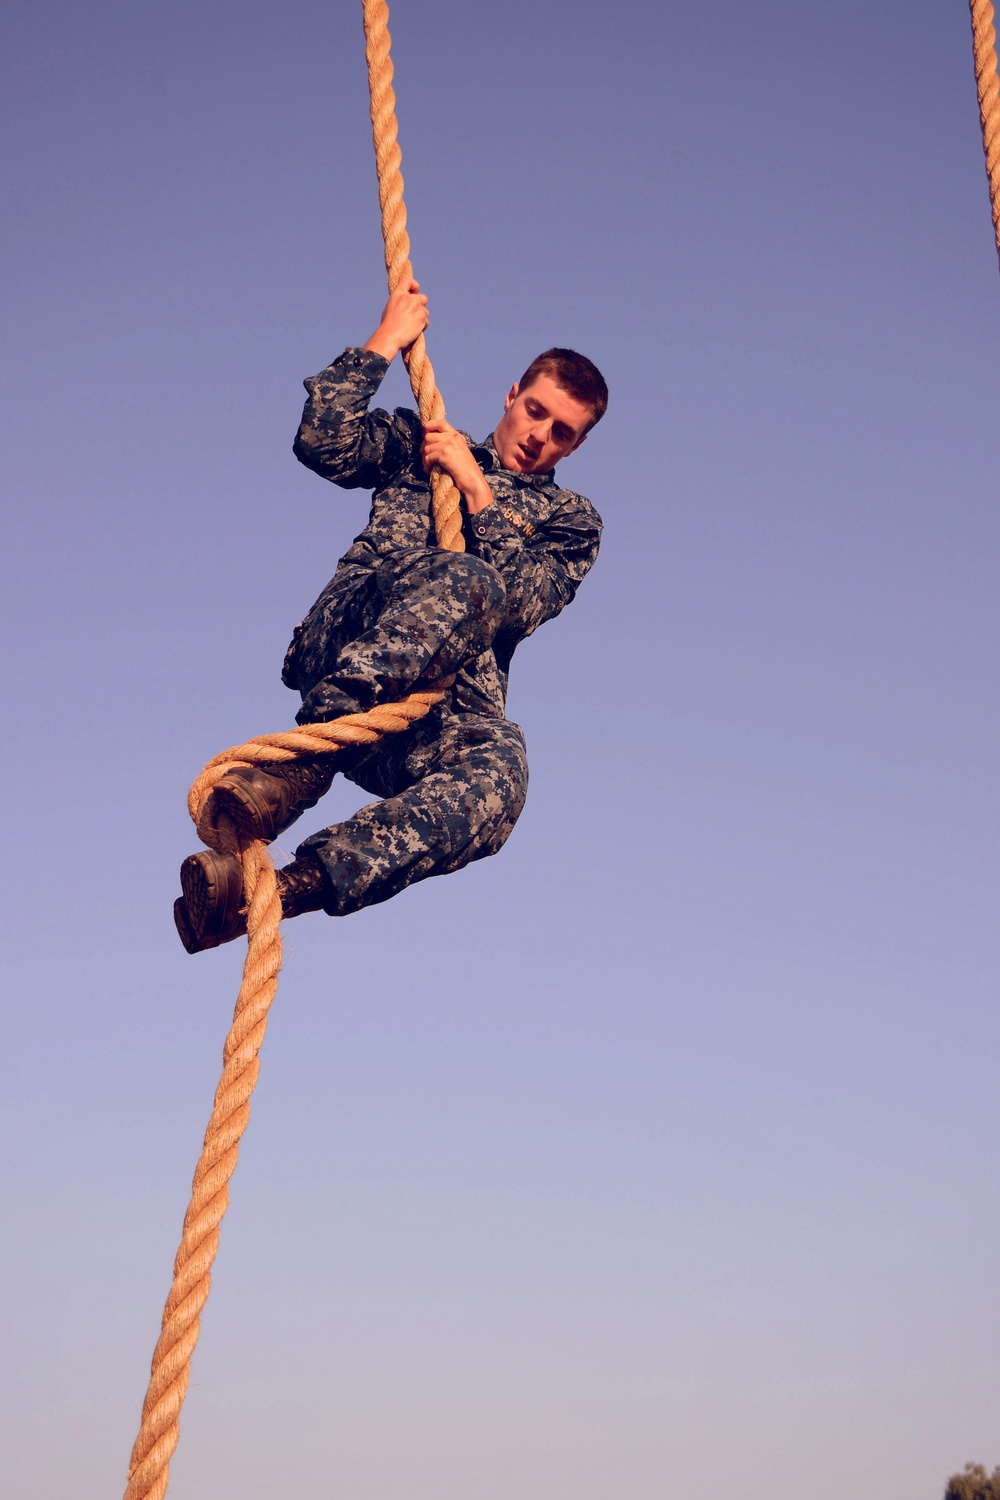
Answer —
541 539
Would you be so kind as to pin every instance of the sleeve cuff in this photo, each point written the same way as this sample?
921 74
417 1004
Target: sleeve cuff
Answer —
490 525
354 365
361 359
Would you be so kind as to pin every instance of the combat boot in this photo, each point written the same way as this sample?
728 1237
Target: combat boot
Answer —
263 801
211 910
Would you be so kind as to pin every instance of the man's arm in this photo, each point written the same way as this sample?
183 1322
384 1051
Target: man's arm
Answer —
446 447
542 572
339 438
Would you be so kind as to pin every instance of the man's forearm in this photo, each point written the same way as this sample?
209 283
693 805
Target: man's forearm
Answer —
343 440
444 447
540 577
476 493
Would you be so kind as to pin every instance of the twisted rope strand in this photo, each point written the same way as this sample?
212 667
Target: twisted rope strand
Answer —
984 40
159 1430
292 744
446 501
160 1426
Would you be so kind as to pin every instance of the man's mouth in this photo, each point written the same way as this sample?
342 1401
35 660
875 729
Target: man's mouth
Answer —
526 456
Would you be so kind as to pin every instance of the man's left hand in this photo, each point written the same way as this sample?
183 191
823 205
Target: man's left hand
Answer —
445 448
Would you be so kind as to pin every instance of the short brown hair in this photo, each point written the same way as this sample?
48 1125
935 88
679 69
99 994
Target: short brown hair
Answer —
575 374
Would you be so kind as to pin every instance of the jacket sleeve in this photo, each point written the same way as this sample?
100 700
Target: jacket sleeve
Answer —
541 572
340 439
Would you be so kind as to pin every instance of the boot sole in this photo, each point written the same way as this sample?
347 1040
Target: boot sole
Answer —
184 929
212 899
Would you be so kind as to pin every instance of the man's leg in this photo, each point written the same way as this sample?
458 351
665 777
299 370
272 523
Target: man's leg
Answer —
430 613
463 793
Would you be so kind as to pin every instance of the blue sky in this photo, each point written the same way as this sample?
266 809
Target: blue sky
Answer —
658 1154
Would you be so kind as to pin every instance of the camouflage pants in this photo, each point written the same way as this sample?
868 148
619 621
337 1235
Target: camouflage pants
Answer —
420 616
461 787
453 785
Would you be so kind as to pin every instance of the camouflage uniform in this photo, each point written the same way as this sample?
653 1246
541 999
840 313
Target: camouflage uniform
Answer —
399 612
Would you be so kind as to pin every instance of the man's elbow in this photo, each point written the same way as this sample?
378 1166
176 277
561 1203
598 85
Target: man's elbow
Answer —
309 450
536 608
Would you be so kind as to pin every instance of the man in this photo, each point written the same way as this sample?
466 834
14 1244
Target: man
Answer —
399 615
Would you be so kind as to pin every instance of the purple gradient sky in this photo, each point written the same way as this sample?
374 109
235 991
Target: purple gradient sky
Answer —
659 1155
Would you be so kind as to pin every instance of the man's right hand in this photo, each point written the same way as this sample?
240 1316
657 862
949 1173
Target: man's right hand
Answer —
404 318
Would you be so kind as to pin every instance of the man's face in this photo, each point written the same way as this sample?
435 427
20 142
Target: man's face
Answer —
541 424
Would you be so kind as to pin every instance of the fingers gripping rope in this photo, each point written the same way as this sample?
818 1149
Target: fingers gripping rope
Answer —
160 1426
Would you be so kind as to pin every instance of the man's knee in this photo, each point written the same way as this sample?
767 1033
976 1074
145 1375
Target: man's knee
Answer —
488 767
472 576
461 806
457 575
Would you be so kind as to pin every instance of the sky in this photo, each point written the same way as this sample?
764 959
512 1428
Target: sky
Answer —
658 1155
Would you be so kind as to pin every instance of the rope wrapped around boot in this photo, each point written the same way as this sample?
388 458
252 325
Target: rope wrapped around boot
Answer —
192 1280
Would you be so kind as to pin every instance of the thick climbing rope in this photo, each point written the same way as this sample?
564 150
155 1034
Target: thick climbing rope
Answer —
984 44
446 499
160 1427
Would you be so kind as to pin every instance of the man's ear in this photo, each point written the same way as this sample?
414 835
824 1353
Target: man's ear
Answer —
511 397
579 443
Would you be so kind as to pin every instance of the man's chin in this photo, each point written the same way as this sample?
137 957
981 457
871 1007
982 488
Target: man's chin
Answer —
518 462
